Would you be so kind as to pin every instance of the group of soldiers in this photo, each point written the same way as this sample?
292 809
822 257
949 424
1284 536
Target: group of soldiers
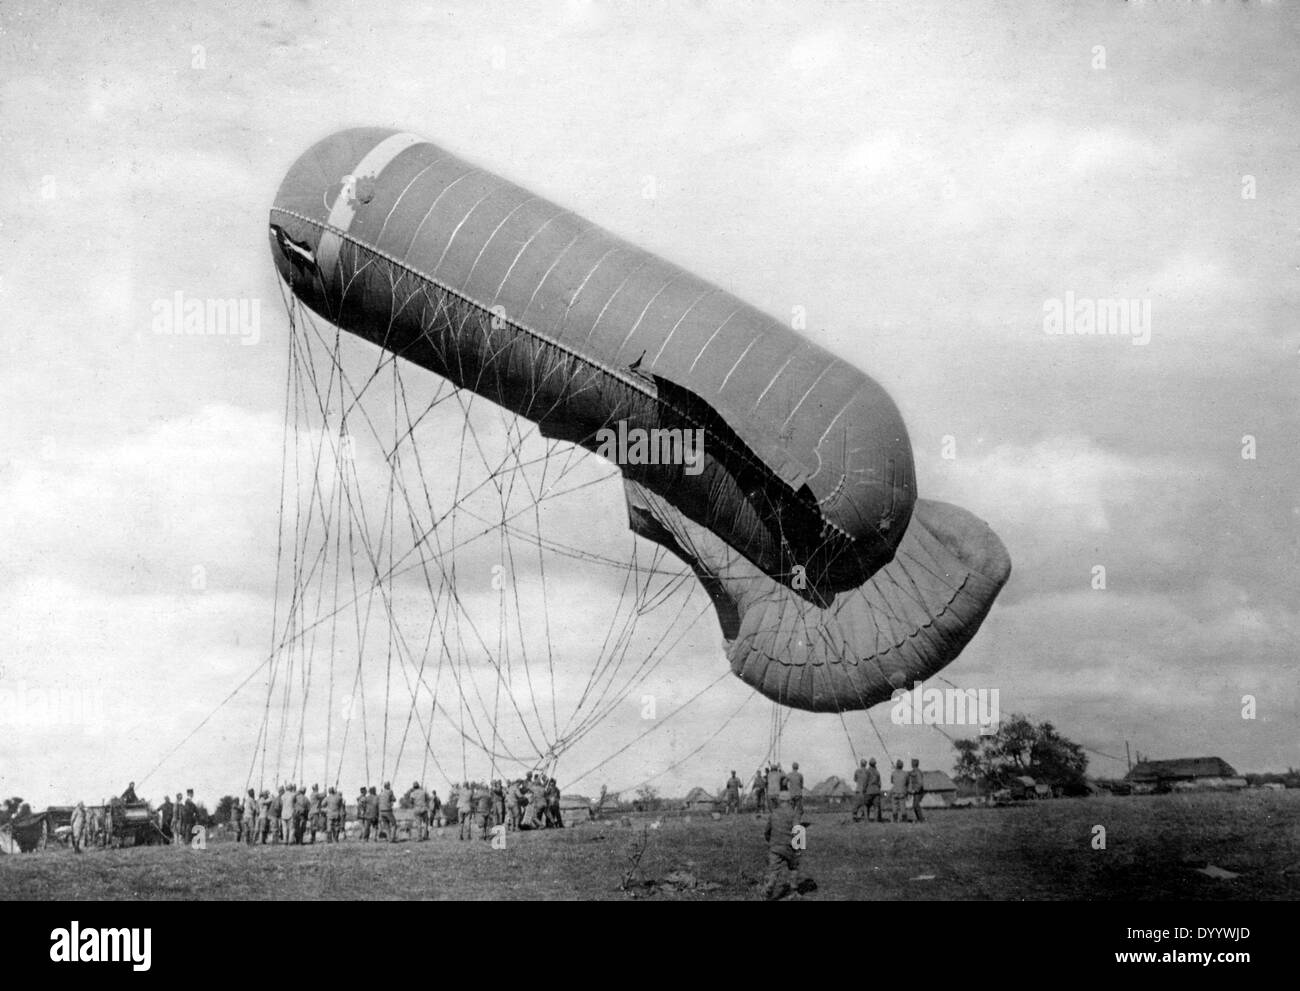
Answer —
292 815
906 788
782 794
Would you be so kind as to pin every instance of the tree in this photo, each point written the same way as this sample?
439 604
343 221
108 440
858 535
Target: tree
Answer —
647 799
1020 747
9 808
223 808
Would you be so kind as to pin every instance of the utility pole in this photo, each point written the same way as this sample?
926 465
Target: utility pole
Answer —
1128 755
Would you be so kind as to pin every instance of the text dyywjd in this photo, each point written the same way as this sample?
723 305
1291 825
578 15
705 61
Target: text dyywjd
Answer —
77 945
658 446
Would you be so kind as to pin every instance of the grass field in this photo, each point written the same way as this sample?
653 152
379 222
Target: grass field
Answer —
1043 850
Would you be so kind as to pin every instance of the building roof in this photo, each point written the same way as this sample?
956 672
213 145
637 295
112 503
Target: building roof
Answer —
699 795
1181 768
832 787
938 781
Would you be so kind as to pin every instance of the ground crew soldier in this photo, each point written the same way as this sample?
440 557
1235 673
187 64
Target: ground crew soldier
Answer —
873 792
251 807
333 815
266 817
165 815
316 812
794 783
190 816
178 818
372 814
465 810
363 817
387 819
759 787
860 790
420 806
773 786
784 851
733 794
237 819
435 808
79 827
482 810
287 802
916 789
898 791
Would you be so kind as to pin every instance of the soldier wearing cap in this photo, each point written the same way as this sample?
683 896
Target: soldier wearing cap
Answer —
420 806
898 791
334 814
387 818
916 789
784 850
794 784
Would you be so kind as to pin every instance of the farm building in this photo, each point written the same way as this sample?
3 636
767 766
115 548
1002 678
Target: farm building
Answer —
699 800
940 790
833 791
1184 774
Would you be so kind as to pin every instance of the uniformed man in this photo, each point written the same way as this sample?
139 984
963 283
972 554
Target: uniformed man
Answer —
315 813
129 794
498 802
372 813
774 783
435 808
420 808
165 814
873 792
783 852
759 787
916 789
363 818
237 819
190 818
898 791
860 790
387 817
516 804
733 794
794 784
465 810
334 812
251 825
267 815
288 802
482 810
78 827
178 821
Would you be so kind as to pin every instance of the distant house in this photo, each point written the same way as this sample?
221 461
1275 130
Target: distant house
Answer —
699 800
940 790
1184 774
833 791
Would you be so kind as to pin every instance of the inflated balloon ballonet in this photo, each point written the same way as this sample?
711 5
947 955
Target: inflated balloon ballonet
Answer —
832 582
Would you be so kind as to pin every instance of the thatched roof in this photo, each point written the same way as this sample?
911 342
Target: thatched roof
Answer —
699 795
938 781
832 787
1181 769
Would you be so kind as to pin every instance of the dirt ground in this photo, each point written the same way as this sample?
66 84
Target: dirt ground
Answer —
1154 849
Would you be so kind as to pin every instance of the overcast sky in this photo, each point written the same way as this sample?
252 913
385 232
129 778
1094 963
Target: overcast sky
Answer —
922 179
